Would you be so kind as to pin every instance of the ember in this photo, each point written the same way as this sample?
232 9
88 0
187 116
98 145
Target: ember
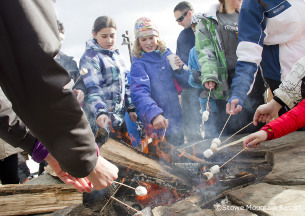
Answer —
157 196
181 175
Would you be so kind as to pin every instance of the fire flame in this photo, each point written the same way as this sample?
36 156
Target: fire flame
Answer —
157 195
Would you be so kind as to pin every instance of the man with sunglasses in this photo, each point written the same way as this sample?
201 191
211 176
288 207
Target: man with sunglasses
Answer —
183 13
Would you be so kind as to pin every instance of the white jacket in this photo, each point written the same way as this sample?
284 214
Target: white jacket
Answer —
290 89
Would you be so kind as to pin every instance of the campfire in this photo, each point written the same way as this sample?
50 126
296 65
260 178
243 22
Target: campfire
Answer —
171 174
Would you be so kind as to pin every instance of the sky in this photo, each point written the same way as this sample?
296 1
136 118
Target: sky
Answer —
78 18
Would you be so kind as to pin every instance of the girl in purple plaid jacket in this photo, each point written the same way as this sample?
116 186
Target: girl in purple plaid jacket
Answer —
108 96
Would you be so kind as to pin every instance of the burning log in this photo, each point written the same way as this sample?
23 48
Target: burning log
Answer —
128 157
209 195
170 153
37 199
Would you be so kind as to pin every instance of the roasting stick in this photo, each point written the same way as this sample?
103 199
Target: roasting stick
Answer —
196 143
83 71
164 134
97 133
232 143
208 99
224 125
216 169
139 212
237 132
124 185
232 158
109 200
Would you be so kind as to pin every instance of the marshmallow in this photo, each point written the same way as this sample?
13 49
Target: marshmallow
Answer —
185 67
216 141
208 153
141 191
215 169
202 133
209 175
205 116
83 71
214 147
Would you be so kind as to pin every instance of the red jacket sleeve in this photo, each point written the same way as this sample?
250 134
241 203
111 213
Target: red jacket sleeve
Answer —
289 122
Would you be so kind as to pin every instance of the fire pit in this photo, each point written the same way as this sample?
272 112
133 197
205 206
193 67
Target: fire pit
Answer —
178 175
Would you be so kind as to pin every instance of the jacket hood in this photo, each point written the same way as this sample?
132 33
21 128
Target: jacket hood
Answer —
211 13
93 45
154 56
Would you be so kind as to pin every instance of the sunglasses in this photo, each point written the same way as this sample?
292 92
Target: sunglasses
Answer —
180 19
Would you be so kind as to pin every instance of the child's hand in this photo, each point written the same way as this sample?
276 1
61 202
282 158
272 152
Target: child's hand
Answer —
209 85
233 108
178 62
79 95
160 122
266 112
255 139
133 116
102 121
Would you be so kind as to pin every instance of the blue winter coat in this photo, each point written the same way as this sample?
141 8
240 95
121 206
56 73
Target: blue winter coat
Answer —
106 82
153 90
273 36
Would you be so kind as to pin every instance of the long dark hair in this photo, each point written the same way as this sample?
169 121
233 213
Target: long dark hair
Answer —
103 22
223 10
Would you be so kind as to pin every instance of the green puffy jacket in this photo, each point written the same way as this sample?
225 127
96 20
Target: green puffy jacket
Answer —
211 57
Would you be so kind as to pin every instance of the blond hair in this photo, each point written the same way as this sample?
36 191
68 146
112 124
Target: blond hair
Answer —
137 49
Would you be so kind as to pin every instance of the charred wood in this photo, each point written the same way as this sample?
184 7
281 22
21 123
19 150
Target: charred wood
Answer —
123 155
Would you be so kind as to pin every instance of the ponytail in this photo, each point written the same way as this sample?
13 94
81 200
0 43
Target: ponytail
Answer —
223 9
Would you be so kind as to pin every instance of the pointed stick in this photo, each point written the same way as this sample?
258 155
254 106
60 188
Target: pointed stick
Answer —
208 99
83 71
237 132
139 212
225 125
124 185
109 199
232 158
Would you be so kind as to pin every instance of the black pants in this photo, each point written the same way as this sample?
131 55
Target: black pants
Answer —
191 113
9 170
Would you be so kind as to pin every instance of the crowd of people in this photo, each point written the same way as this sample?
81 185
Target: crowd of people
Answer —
226 57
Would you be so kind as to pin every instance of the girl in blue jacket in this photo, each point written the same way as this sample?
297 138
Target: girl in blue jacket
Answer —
153 90
106 81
